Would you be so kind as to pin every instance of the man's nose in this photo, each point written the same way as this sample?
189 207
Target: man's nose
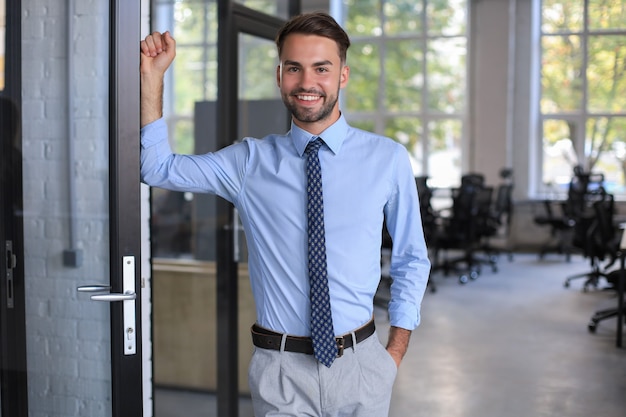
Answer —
307 79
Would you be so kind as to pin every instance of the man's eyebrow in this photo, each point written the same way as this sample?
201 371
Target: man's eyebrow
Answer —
316 64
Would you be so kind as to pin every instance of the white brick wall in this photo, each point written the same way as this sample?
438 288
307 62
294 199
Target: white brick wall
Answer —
67 335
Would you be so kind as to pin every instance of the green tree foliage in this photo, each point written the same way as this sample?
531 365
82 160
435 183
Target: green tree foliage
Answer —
408 66
583 74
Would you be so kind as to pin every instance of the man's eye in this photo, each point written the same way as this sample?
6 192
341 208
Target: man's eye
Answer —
292 69
322 69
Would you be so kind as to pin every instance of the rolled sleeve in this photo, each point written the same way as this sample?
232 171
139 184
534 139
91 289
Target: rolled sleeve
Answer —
410 266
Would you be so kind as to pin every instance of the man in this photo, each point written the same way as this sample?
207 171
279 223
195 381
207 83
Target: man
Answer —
365 179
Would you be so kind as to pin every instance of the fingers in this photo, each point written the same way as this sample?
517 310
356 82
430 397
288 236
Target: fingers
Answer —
170 43
156 43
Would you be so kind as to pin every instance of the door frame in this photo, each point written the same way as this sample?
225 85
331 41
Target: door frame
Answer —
13 371
124 217
125 200
233 19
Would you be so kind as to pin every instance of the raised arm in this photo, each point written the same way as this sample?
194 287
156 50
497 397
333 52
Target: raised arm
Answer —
157 53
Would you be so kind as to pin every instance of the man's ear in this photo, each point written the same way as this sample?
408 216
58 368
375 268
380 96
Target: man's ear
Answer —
278 75
345 75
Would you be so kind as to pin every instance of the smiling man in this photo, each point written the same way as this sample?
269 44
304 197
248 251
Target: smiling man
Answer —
312 202
310 86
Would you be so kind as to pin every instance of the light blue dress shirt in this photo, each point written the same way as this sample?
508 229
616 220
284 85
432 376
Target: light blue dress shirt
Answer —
365 178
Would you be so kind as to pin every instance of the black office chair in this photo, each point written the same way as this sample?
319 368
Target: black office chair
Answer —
461 230
595 235
499 218
562 220
613 278
605 234
382 296
428 214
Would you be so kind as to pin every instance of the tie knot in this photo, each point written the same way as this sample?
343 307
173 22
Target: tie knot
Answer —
314 145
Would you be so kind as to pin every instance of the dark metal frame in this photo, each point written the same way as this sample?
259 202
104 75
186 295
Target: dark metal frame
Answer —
233 19
13 370
124 199
125 233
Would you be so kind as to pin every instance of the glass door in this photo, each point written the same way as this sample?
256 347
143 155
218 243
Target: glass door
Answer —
74 223
198 247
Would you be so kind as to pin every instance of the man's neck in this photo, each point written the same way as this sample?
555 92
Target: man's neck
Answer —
316 128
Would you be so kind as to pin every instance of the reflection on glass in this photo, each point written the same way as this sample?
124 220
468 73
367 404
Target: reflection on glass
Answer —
444 152
362 91
562 15
606 150
258 59
65 187
446 74
607 14
185 225
605 74
561 68
404 76
192 79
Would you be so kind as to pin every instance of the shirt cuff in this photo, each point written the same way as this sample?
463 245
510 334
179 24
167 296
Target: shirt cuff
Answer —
153 132
404 316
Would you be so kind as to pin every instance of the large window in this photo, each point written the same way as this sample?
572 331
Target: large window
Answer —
583 105
408 78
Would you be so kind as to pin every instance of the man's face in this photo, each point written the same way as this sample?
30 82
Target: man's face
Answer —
310 76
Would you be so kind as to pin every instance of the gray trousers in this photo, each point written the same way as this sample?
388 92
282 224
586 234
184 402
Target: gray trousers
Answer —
288 384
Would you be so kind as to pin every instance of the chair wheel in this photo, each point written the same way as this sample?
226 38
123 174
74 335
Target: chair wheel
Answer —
473 274
566 284
463 279
592 327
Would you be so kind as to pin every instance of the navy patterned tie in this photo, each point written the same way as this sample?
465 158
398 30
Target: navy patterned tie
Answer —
322 333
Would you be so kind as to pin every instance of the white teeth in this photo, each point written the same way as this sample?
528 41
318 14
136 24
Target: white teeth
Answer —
308 98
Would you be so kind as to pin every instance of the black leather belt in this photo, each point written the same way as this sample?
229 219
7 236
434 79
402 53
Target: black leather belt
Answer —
267 339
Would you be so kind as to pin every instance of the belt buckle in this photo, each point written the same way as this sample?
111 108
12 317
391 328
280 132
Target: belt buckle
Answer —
340 345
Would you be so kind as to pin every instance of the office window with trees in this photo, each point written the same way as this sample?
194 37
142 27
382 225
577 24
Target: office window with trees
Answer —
582 102
408 78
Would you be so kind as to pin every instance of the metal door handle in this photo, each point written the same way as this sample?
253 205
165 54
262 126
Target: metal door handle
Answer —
93 288
128 297
114 297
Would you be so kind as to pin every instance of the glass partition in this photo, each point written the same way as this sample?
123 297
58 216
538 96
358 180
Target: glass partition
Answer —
184 226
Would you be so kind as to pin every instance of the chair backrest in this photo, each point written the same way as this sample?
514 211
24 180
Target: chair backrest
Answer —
503 203
471 204
429 217
424 193
473 178
595 232
604 211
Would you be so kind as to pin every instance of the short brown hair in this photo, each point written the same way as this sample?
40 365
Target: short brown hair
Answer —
316 23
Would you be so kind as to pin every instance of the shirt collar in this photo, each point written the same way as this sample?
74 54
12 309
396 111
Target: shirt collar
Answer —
333 136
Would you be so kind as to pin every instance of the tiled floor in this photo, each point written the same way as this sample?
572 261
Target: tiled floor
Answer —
511 344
